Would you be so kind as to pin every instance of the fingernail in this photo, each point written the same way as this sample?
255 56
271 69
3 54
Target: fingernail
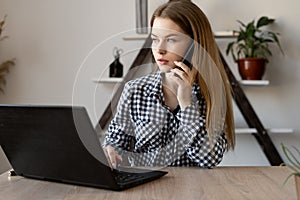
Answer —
114 165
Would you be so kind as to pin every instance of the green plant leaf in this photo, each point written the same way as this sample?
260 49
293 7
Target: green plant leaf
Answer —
241 23
4 67
275 38
296 160
263 21
295 163
229 47
2 24
2 82
252 41
287 178
242 35
250 29
297 150
266 50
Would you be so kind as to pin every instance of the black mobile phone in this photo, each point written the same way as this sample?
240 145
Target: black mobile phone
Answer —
187 58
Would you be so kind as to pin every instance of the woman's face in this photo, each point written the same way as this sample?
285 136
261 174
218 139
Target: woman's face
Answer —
169 43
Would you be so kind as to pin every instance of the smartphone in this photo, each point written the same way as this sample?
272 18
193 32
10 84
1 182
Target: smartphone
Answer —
187 58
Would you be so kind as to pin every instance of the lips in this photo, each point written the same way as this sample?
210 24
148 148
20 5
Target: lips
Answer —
162 61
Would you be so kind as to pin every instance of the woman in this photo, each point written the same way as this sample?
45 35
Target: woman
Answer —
179 116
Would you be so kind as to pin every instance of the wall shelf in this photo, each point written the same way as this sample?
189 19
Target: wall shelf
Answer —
108 80
136 37
270 130
255 82
218 34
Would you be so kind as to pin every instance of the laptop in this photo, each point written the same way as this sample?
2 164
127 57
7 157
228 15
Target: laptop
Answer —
59 143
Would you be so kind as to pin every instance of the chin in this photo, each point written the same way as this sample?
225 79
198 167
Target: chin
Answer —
164 68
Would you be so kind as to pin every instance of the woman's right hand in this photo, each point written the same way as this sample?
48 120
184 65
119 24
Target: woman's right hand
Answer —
112 157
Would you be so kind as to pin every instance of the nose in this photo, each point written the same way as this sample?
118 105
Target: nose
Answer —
160 48
161 51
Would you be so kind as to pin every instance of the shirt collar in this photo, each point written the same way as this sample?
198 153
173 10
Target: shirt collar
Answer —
155 86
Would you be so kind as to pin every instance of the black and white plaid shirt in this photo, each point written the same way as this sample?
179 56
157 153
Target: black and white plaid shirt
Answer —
156 136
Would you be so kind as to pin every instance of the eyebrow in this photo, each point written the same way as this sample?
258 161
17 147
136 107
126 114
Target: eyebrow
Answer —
169 35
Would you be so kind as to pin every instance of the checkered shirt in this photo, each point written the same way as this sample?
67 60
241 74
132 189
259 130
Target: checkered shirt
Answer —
145 130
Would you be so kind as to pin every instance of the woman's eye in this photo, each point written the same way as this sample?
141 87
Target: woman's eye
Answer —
154 40
171 40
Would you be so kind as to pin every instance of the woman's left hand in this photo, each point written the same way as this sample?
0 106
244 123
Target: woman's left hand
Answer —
183 78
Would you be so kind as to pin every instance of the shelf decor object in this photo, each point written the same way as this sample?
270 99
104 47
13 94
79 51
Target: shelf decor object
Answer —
116 67
251 48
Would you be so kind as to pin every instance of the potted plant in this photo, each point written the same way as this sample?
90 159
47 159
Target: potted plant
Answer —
293 158
251 48
4 66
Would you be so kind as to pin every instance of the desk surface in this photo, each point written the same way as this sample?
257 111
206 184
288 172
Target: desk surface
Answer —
181 183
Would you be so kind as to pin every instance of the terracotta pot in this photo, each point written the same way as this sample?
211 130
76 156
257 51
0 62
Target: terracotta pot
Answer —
252 68
297 181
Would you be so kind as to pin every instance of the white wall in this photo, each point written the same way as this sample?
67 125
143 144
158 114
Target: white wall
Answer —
276 104
60 46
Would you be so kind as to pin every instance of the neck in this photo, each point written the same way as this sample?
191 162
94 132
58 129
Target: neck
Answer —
170 93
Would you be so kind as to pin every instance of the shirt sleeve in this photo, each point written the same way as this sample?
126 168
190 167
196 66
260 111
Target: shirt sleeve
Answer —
192 128
120 129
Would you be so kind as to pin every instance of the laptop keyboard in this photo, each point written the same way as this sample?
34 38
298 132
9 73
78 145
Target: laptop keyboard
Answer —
124 177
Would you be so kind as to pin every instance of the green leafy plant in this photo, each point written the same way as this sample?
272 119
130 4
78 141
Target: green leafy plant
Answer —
253 41
293 157
4 66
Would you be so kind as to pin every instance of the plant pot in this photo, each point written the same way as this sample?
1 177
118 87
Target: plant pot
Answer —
297 182
252 68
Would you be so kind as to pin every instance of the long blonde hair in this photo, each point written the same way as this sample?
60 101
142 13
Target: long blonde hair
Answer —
194 23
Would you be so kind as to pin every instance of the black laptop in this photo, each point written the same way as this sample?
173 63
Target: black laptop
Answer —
59 143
